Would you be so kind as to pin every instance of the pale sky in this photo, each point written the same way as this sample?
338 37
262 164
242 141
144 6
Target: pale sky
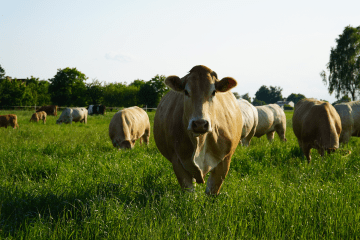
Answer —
278 43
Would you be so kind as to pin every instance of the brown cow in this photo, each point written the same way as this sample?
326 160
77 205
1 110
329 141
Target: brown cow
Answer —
198 126
127 126
316 125
39 116
50 109
10 119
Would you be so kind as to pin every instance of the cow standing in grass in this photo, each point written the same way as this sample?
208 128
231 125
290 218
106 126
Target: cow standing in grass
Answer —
127 126
50 109
198 126
316 125
350 120
39 116
70 115
271 119
250 121
10 119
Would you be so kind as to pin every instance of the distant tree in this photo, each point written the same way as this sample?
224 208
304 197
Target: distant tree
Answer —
137 83
2 73
269 95
95 92
68 88
237 96
151 93
295 97
113 94
345 98
344 64
258 102
246 97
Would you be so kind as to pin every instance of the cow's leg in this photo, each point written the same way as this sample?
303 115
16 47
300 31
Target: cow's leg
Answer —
306 149
146 135
270 136
184 178
217 176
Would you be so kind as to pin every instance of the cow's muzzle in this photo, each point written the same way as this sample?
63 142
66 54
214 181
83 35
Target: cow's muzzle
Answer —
199 126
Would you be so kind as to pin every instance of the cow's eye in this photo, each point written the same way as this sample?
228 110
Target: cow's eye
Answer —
213 93
186 93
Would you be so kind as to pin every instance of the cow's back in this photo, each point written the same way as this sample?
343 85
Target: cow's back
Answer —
249 117
129 124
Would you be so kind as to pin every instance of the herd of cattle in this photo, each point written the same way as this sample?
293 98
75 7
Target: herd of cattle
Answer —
199 124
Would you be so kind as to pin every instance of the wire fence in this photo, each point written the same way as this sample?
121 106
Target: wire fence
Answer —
34 108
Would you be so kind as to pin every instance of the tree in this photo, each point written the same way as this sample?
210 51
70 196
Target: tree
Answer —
258 102
95 91
295 97
237 96
269 95
344 64
68 88
152 91
246 97
2 73
343 99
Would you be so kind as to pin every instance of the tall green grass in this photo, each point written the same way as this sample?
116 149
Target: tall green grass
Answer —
69 182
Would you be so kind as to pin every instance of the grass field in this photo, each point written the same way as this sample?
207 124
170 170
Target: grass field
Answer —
69 182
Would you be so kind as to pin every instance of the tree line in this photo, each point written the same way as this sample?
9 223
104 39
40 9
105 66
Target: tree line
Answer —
69 88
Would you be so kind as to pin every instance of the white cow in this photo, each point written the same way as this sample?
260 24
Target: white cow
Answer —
73 114
271 119
350 120
250 121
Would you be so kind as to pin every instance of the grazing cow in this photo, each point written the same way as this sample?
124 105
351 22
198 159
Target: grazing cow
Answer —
316 125
50 109
250 121
10 119
350 120
127 126
198 126
39 116
73 114
271 119
97 109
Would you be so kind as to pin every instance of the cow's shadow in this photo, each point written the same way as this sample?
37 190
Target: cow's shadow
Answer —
19 208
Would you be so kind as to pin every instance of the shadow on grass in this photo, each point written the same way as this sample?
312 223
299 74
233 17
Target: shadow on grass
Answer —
18 209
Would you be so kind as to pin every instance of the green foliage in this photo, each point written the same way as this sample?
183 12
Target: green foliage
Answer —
343 99
269 95
95 92
288 107
152 91
257 102
68 88
236 94
2 73
344 64
295 97
246 97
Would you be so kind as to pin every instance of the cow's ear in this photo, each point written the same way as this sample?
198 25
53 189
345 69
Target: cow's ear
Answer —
175 83
225 84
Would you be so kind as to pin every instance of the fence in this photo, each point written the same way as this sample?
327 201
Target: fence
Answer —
24 108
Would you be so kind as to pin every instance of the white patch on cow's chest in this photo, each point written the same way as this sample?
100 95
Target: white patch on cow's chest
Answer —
204 160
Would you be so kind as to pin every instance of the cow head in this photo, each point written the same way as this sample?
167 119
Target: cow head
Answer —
125 144
200 88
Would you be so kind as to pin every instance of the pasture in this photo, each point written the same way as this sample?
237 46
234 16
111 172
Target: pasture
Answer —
69 182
